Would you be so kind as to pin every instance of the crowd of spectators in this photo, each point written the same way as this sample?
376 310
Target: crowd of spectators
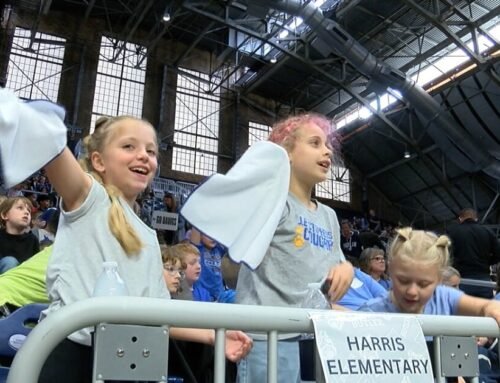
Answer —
364 241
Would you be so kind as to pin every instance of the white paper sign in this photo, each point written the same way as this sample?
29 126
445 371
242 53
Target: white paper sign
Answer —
361 348
163 220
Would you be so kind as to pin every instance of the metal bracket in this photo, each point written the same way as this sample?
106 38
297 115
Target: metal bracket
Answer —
459 356
130 353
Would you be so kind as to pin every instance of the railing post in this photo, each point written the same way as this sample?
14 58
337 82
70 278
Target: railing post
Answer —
437 360
272 356
220 356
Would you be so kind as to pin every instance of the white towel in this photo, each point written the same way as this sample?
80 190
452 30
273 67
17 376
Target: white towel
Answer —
242 209
31 135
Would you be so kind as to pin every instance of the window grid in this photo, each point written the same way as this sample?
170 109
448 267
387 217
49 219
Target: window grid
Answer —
196 130
35 72
121 73
337 185
257 132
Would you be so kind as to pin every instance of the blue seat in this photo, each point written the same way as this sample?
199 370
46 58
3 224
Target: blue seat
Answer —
13 331
15 327
4 371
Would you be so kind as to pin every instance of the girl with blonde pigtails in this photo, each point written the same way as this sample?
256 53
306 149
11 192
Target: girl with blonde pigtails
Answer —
416 261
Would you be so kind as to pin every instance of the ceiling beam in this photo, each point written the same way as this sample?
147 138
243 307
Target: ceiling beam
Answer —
444 28
145 6
309 63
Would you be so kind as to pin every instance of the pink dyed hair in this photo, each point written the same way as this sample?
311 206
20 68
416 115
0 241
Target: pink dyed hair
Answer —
284 132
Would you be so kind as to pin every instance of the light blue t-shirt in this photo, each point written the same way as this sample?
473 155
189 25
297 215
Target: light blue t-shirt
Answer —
362 289
444 301
385 283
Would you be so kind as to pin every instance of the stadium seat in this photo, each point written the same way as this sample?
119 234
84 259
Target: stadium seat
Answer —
13 331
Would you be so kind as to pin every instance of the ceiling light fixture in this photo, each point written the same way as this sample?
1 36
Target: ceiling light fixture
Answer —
273 60
166 16
407 154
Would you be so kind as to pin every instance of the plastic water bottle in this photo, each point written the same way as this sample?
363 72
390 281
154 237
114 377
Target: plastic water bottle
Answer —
109 283
315 299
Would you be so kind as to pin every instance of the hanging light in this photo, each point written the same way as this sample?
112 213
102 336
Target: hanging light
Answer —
166 16
406 154
273 60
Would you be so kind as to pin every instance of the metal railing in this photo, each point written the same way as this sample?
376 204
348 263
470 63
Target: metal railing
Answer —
156 312
477 282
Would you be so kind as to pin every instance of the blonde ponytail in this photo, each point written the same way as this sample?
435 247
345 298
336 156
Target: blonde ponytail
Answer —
120 226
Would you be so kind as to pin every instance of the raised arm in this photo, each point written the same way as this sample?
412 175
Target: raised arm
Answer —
69 179
195 237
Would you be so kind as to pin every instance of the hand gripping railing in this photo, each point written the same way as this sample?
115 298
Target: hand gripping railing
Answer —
155 312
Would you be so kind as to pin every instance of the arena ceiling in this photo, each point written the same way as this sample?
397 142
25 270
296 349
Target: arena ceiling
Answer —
345 57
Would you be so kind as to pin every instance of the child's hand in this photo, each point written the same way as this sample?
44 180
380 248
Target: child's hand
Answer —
238 345
340 277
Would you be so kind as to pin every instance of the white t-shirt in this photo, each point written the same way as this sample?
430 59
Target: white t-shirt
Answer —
84 241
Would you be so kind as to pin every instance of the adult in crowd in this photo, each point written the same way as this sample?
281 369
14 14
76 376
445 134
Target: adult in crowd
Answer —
374 222
349 241
170 206
451 277
474 249
372 262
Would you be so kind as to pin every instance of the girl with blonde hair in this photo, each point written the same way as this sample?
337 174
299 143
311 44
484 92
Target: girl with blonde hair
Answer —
417 260
98 222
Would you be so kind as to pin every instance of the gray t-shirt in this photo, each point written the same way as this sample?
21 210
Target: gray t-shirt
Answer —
84 241
305 246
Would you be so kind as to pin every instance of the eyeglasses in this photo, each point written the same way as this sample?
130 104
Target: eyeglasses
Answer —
172 271
378 258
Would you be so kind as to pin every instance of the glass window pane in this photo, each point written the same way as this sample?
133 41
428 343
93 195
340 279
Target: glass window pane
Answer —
196 127
257 132
121 72
336 186
35 66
